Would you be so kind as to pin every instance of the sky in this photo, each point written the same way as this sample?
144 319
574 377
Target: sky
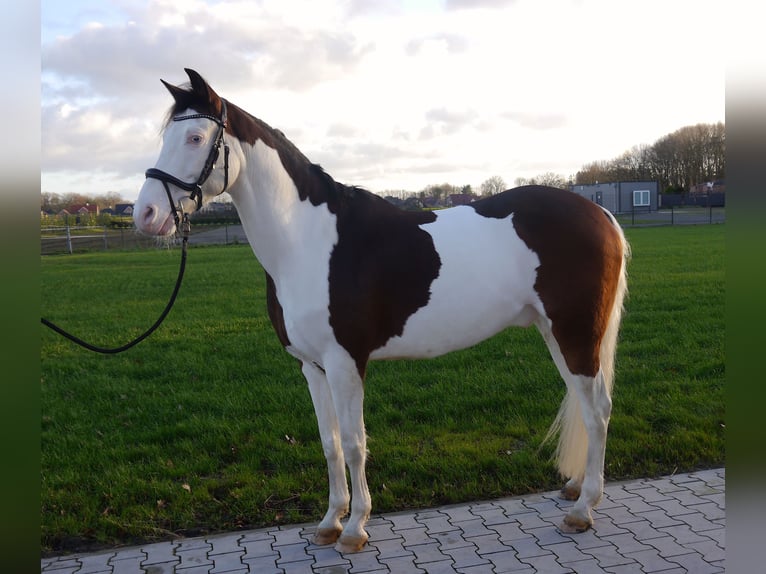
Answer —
388 95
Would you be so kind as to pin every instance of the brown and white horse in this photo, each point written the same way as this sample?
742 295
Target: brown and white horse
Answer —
352 278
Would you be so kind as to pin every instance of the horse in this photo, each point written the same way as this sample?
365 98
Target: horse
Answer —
352 278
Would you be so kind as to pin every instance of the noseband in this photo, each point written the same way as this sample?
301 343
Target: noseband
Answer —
195 188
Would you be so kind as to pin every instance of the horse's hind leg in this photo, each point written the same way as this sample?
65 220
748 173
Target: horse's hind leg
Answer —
584 419
330 528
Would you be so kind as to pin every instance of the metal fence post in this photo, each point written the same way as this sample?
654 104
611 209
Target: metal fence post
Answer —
68 239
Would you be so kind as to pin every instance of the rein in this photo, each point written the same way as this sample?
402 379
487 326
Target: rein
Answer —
182 223
186 227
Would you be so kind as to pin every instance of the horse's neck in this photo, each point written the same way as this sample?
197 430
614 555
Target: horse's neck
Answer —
284 232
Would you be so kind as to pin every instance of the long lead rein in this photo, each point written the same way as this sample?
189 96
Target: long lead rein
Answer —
186 227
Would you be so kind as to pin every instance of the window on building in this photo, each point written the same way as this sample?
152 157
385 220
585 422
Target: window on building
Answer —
641 198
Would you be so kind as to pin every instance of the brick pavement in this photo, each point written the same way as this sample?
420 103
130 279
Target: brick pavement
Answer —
670 525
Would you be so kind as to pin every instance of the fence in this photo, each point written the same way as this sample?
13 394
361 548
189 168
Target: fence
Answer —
685 215
74 239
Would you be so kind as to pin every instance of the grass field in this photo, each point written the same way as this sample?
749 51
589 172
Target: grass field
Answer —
208 426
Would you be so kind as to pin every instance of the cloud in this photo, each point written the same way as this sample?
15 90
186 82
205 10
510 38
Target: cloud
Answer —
537 121
452 43
472 4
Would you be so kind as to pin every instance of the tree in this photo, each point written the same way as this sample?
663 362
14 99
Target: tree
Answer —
491 186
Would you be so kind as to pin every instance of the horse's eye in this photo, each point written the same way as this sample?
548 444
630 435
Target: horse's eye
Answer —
196 139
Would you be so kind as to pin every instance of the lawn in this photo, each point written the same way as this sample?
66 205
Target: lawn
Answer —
208 426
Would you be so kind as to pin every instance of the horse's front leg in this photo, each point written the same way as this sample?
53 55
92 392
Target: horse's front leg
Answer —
329 528
347 388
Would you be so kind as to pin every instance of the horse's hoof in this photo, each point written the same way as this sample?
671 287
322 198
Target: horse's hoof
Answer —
324 536
569 492
575 525
347 544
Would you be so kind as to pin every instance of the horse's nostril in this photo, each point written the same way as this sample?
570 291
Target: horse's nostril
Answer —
149 213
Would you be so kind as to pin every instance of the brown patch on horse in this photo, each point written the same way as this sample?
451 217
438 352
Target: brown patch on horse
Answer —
274 309
381 272
580 262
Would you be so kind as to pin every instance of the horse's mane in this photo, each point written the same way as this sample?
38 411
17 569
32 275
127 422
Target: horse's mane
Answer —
312 181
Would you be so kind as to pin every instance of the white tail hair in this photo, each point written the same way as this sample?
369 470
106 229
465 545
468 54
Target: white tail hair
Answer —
572 449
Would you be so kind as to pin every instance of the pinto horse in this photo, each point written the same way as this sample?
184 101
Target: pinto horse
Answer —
351 278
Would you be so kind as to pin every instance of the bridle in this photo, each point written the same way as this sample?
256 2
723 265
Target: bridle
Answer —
195 188
182 224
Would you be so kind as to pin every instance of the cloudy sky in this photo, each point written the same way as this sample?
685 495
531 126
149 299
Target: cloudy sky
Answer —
390 95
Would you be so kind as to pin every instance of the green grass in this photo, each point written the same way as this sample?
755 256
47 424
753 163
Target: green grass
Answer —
208 426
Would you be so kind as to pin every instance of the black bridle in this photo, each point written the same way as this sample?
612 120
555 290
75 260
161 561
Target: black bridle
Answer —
195 188
182 225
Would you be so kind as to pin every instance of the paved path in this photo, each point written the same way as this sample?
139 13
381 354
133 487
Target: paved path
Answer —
670 525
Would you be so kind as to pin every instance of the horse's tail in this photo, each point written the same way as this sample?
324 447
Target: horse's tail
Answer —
571 451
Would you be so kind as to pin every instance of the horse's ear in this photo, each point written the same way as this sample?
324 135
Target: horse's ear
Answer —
175 91
199 85
202 88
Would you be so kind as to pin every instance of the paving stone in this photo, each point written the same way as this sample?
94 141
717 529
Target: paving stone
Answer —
95 563
465 556
568 552
366 561
531 520
57 565
667 546
488 544
589 566
683 534
709 550
694 563
160 568
630 568
460 513
546 564
608 556
259 547
509 531
650 560
287 536
604 526
263 565
291 553
401 564
159 553
698 522
426 553
381 530
193 558
643 530
492 514
224 544
439 567
437 524
448 540
415 536
226 562
392 548
131 566
528 547
507 561
475 527
547 535
648 493
659 518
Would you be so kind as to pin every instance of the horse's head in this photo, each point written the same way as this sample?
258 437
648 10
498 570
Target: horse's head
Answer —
194 165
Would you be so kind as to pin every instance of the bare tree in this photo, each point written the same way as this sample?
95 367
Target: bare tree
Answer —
491 186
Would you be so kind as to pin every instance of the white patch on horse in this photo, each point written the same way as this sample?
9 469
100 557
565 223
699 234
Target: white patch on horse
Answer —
293 240
476 294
